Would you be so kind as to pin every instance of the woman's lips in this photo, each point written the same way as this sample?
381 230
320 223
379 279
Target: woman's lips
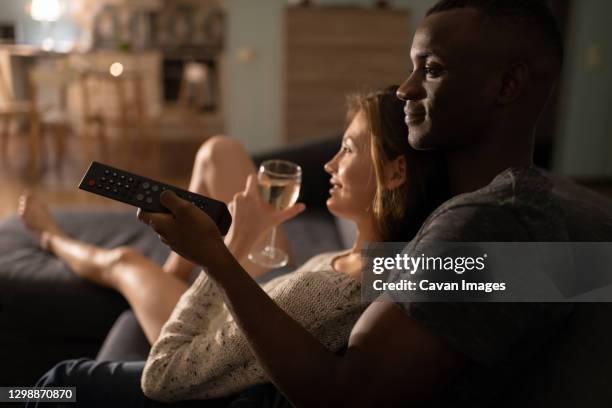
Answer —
335 186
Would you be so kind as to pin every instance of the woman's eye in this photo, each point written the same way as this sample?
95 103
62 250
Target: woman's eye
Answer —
345 149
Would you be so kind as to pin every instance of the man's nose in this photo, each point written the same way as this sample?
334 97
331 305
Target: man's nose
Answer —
411 89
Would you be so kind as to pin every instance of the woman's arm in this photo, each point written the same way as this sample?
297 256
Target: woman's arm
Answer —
185 337
390 357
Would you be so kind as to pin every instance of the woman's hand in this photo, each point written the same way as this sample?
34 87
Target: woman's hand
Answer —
189 231
253 218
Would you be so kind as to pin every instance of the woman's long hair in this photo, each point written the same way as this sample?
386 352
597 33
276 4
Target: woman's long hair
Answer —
399 213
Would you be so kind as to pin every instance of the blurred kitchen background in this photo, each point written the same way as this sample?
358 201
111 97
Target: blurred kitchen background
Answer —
140 84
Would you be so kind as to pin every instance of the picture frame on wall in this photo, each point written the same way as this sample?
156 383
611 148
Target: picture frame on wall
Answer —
107 28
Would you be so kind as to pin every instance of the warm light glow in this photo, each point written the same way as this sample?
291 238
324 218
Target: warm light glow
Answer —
48 44
116 69
45 10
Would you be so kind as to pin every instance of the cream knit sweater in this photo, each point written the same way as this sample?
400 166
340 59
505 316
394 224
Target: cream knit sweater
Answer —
201 352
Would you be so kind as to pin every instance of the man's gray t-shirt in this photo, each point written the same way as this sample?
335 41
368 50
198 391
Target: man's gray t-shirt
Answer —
519 205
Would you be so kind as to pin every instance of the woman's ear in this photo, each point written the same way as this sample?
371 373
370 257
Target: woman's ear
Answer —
395 173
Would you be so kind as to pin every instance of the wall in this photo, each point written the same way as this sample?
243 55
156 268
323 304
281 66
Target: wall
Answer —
584 146
254 90
33 32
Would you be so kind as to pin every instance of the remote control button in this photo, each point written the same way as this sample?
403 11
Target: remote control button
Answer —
91 183
145 185
114 190
114 174
122 177
127 186
103 179
139 197
111 181
130 179
149 200
118 184
155 188
107 188
106 171
147 192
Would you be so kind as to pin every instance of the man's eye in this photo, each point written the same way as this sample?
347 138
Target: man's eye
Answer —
432 71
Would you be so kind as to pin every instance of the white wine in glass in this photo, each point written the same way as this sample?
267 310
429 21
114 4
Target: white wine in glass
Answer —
279 184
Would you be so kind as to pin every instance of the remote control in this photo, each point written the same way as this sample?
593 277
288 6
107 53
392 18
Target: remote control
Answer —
143 192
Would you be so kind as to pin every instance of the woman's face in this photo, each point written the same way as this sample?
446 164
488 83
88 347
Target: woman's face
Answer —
352 173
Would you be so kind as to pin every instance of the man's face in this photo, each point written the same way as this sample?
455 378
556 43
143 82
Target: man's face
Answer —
450 93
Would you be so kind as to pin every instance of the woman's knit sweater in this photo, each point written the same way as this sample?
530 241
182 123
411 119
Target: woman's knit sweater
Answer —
201 353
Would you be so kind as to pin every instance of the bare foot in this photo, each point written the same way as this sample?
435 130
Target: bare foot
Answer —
36 217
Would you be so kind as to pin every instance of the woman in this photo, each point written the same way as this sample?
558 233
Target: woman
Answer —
377 181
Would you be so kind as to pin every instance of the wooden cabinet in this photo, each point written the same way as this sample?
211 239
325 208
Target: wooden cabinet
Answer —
335 51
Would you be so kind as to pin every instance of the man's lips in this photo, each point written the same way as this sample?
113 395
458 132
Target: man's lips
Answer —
414 115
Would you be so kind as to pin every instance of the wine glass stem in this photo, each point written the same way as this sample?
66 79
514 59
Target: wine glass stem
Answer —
270 249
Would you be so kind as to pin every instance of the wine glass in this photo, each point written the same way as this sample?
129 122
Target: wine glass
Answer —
279 185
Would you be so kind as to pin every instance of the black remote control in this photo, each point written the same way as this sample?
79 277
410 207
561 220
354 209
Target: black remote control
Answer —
143 192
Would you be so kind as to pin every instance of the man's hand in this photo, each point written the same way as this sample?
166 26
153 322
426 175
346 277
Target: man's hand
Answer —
189 231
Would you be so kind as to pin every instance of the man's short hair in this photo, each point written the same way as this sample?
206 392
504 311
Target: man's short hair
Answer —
531 14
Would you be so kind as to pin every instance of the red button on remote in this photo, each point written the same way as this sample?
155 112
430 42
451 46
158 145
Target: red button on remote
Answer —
92 183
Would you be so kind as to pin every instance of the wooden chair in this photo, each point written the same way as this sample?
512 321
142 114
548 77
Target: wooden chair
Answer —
11 111
93 120
53 115
119 106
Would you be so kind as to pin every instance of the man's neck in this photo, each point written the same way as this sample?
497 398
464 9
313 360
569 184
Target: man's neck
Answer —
472 169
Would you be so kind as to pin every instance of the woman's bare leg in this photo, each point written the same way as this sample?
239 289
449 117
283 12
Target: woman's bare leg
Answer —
151 293
220 170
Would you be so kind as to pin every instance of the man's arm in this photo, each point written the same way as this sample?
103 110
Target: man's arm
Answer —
391 358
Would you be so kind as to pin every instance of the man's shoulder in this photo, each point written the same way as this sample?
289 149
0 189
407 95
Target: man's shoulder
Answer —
514 187
516 205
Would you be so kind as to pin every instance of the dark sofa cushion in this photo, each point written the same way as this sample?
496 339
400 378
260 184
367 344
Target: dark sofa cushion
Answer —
47 313
32 279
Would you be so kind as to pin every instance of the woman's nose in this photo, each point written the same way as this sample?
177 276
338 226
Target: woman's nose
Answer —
330 166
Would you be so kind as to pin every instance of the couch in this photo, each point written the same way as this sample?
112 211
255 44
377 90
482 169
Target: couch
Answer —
47 314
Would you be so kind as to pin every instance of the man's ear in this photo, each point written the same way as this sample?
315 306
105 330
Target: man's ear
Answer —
514 81
395 173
